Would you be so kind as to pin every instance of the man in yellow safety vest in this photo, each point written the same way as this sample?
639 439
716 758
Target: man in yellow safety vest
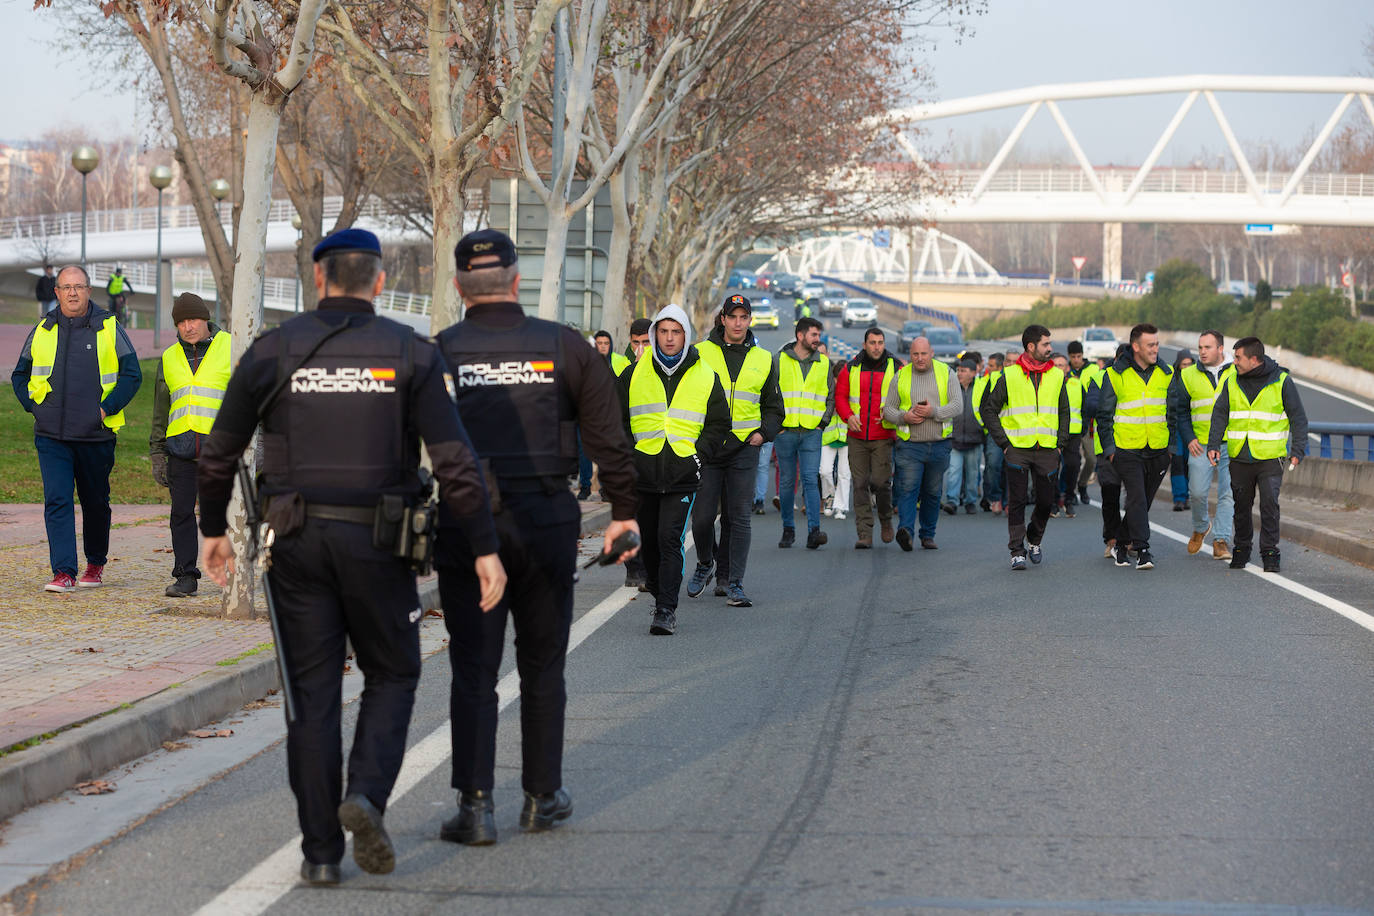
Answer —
187 393
1191 398
1258 419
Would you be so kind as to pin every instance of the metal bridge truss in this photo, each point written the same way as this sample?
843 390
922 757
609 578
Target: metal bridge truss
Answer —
939 258
1147 194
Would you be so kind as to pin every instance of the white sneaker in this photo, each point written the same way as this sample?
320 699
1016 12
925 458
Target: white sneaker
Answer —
839 516
827 512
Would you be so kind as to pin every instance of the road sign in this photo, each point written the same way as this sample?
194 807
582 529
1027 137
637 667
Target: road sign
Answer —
1078 262
882 238
1272 229
1347 279
1150 277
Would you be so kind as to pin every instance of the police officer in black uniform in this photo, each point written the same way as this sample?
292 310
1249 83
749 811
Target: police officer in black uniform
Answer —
340 441
522 385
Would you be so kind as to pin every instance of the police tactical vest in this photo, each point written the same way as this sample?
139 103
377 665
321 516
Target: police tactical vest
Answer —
1031 416
654 421
889 373
942 376
745 392
1262 422
43 350
1202 396
1141 407
803 399
341 422
509 384
196 397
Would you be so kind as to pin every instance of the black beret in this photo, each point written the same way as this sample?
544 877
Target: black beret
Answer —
347 241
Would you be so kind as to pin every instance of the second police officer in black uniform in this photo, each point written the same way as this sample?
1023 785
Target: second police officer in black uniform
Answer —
344 397
523 386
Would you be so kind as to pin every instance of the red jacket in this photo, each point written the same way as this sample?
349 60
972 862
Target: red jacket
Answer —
871 395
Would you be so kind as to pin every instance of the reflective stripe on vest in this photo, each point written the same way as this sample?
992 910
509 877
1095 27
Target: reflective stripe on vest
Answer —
196 397
889 373
744 392
1202 396
904 397
1140 420
43 350
653 421
1075 405
803 399
1261 421
1031 416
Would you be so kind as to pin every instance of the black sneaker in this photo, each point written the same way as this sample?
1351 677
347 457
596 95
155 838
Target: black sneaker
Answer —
185 587
1018 563
1239 558
635 580
1121 555
700 576
324 874
949 508
1143 560
1083 496
970 509
475 822
542 812
789 537
584 494
1035 554
904 539
737 596
758 507
664 622
721 589
815 538
1270 559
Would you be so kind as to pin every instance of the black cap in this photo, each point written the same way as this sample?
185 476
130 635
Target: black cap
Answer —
346 241
736 302
481 243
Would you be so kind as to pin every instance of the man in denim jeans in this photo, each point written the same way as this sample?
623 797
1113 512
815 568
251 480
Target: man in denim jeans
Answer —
808 396
1191 396
961 480
923 402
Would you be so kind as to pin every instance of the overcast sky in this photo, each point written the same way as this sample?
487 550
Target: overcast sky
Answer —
1017 43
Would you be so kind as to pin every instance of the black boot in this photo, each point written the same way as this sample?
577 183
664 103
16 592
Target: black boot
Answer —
789 537
475 822
541 812
1240 557
185 587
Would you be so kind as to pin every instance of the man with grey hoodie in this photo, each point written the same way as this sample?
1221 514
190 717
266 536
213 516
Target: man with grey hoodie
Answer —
678 416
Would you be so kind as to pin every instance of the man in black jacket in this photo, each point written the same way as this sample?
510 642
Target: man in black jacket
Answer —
45 291
961 480
1257 444
749 375
677 415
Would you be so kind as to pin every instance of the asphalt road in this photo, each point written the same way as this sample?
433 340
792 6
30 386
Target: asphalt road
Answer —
923 732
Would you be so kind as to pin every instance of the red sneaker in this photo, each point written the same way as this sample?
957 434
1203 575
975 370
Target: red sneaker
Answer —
60 583
91 577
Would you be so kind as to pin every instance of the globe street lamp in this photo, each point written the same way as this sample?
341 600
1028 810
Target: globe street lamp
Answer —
219 190
84 160
161 177
296 295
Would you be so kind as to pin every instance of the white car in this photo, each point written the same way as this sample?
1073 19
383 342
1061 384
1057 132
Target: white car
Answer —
1099 343
813 289
860 311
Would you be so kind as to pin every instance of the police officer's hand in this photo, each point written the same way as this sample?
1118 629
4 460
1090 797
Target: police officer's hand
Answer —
491 576
218 559
159 463
615 530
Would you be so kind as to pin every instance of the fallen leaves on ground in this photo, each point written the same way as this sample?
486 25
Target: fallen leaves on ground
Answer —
89 649
262 704
175 745
94 787
211 732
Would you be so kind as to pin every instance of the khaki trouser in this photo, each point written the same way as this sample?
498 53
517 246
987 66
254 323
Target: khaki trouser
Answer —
1085 473
870 464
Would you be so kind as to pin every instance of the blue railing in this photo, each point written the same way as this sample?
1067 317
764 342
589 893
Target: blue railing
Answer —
1347 432
948 317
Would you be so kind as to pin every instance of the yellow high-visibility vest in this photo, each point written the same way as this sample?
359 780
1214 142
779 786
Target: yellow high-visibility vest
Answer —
1141 418
653 421
1261 422
803 398
745 392
1031 416
196 397
904 397
1075 387
44 353
981 386
837 433
619 361
1202 396
889 373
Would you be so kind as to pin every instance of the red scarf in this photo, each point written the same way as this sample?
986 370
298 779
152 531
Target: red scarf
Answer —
1031 364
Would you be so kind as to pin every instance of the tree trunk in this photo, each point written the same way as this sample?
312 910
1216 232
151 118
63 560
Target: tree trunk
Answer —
446 197
555 251
615 316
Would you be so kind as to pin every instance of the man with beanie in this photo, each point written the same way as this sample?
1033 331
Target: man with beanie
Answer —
961 480
678 417
187 393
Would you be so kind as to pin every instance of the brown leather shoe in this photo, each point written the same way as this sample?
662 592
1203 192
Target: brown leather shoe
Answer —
864 543
929 544
1221 550
888 532
1195 542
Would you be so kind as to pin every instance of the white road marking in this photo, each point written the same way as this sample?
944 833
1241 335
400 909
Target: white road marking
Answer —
1333 393
1349 612
273 877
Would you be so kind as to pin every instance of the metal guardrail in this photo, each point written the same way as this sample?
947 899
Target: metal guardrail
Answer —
1347 433
1072 180
907 307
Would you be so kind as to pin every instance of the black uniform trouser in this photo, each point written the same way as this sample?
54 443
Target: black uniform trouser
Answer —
330 583
181 478
1110 483
1141 473
1266 477
663 520
1071 460
728 488
538 535
1022 466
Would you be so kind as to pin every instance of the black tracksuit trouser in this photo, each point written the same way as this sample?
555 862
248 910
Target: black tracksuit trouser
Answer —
1266 478
663 520
1022 466
1141 473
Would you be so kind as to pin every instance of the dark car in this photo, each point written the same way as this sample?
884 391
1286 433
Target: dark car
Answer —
945 343
832 301
787 284
741 279
910 331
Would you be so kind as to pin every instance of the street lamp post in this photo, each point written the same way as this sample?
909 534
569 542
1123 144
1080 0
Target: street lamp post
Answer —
161 177
296 295
84 160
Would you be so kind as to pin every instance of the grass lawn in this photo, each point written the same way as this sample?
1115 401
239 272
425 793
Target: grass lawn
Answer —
132 479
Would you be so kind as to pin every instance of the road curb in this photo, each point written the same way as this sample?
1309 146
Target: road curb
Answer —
85 751
1325 540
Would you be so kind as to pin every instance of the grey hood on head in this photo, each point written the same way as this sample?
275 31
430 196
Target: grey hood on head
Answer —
674 312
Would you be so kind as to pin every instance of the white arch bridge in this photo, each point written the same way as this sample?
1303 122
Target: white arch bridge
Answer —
887 256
